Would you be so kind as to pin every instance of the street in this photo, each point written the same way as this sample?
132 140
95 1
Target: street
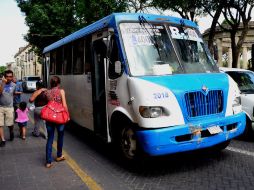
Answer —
99 167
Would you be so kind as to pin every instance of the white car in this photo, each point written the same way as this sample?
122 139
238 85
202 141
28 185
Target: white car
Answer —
245 81
29 83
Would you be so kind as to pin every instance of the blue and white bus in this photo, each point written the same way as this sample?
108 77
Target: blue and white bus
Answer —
148 83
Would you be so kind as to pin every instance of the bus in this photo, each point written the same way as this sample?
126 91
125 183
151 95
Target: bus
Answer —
146 83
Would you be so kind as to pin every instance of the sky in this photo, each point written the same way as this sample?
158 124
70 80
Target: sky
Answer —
13 29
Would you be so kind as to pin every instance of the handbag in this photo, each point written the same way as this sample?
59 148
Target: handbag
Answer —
55 112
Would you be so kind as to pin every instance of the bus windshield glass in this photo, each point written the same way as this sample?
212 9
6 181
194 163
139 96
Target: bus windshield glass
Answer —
150 51
193 54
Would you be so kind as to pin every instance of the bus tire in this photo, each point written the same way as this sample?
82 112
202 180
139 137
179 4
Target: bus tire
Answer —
127 142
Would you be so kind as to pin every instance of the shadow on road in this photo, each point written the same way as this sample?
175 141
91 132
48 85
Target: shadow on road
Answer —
181 162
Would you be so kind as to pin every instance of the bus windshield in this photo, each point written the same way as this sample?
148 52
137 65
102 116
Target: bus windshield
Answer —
150 51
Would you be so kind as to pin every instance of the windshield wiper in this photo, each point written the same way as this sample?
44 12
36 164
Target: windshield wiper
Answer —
142 22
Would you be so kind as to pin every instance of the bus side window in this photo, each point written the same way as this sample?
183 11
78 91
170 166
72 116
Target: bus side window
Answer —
88 54
113 57
67 63
52 62
59 61
78 56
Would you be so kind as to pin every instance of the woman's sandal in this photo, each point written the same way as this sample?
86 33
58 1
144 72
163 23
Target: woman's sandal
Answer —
48 165
59 159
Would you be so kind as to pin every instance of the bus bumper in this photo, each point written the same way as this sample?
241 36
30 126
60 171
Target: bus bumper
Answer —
190 136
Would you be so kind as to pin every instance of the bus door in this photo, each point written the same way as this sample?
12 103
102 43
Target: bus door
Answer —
99 75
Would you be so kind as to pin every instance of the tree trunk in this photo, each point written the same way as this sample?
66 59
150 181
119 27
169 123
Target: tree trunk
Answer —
235 50
236 46
213 29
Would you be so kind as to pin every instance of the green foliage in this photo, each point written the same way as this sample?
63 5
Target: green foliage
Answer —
51 20
224 63
2 69
188 9
89 11
48 21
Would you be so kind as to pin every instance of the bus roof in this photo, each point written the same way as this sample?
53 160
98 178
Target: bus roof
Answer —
111 20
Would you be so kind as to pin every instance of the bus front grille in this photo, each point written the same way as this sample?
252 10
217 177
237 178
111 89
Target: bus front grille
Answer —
202 104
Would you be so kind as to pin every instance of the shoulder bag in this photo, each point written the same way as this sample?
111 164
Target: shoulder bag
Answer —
55 112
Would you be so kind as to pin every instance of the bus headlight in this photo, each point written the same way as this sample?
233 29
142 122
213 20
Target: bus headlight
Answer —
150 111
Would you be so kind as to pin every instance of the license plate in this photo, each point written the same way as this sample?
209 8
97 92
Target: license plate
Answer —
214 130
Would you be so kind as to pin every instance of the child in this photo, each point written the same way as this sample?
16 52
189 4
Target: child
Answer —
22 113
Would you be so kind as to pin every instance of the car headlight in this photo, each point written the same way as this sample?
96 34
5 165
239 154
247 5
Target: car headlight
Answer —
151 111
237 101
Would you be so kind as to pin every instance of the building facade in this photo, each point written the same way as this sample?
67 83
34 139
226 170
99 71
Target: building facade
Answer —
27 63
222 42
10 65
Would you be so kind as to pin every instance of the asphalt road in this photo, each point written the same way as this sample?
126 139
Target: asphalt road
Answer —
232 168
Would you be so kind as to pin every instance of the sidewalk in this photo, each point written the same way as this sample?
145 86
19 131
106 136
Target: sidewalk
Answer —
22 166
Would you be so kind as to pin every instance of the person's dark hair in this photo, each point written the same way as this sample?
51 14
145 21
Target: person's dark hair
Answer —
55 80
22 106
8 72
39 85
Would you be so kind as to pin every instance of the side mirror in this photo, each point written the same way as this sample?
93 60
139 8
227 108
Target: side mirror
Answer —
118 67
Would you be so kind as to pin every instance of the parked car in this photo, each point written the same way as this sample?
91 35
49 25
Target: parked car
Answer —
29 83
245 81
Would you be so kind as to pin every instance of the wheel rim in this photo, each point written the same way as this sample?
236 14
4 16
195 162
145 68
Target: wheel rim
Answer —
128 143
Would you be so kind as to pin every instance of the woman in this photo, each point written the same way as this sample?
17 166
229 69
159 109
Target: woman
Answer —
58 95
40 100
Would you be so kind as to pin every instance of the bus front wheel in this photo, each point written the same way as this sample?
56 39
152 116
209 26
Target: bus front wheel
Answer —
128 142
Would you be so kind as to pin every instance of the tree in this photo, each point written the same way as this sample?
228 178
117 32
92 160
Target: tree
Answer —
48 21
2 69
239 20
89 11
236 12
237 15
139 5
188 9
213 6
51 20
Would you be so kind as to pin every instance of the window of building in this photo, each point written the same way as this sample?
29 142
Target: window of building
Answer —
78 56
32 55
